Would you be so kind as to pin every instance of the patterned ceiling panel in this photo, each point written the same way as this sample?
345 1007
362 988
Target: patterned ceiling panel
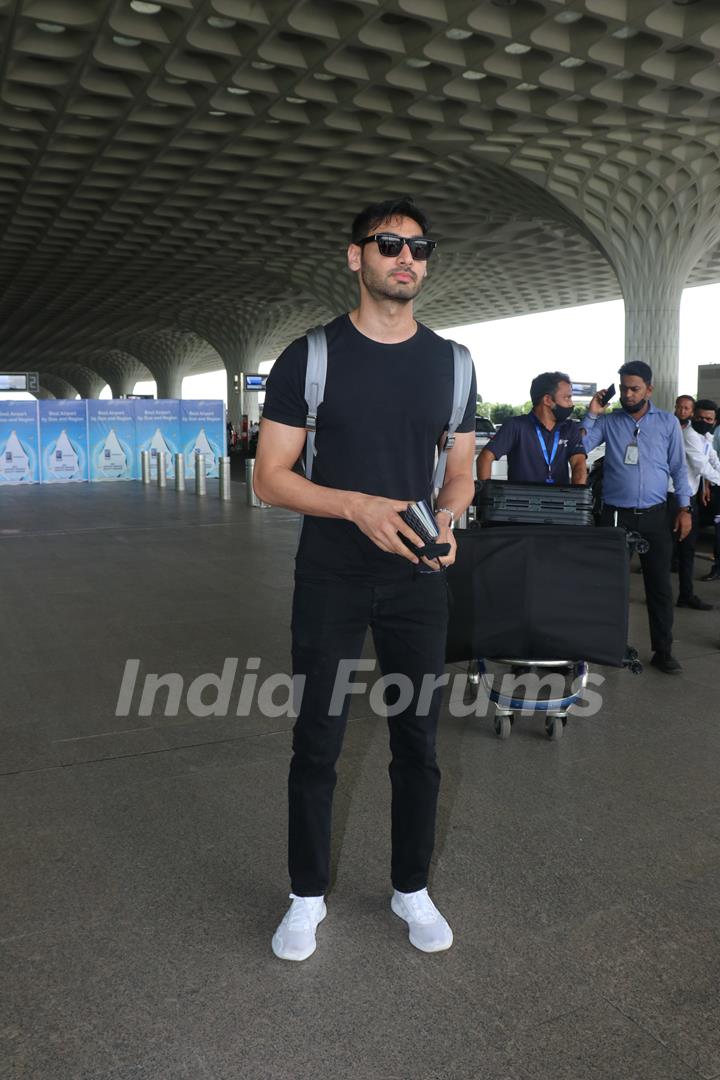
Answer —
191 167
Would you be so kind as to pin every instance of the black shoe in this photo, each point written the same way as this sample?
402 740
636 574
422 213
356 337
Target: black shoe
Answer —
666 662
714 574
695 603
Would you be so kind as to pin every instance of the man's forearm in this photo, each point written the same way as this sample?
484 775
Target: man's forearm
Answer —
282 487
485 464
457 494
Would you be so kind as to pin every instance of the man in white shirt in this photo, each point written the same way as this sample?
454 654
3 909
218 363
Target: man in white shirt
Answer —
696 420
715 508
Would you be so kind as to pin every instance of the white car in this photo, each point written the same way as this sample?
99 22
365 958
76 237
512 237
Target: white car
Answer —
484 431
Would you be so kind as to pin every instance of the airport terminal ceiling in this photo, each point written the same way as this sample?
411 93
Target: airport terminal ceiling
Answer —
177 177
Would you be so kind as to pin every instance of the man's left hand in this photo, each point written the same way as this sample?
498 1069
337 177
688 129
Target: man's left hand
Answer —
445 536
683 524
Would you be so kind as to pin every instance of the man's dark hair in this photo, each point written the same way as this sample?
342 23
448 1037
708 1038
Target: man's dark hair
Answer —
547 383
685 397
368 219
706 405
639 368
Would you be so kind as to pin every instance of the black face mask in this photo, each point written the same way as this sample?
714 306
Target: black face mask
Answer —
562 412
634 408
703 427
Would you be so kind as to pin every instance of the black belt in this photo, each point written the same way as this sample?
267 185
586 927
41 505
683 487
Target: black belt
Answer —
636 510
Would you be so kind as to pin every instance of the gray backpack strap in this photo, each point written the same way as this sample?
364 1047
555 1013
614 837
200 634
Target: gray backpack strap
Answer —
461 388
314 389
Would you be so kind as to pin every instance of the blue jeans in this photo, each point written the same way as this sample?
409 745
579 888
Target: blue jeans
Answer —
408 620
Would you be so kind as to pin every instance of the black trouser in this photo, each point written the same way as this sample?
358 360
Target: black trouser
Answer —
684 550
408 622
652 525
715 511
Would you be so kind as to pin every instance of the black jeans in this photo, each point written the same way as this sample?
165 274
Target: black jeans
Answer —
408 620
653 526
715 510
684 550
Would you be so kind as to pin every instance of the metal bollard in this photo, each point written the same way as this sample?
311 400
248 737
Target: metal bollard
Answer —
252 499
200 476
179 472
145 466
225 478
160 458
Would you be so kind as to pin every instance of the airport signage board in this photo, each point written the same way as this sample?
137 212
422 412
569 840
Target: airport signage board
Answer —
203 431
19 443
19 381
254 381
157 428
63 441
112 440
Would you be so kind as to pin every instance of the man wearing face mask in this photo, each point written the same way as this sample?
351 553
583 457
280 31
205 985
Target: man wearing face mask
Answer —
704 425
644 450
544 445
697 422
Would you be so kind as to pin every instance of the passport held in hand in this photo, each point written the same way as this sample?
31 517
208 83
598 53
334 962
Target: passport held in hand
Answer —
421 520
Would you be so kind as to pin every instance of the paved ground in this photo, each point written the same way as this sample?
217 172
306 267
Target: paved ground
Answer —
143 856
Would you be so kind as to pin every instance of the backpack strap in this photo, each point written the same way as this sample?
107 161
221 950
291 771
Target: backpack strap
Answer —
463 369
314 389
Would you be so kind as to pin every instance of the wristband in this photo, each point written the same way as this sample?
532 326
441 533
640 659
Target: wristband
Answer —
446 510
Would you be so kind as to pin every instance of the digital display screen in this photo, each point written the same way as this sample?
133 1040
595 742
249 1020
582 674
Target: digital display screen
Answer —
584 389
255 382
13 381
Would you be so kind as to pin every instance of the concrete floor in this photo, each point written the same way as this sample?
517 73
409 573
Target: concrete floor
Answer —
144 857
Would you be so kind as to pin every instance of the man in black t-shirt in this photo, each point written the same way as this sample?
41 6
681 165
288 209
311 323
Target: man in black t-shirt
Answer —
387 400
543 446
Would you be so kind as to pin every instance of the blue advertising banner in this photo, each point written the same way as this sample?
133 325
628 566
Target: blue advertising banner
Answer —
19 454
157 427
63 441
111 436
203 431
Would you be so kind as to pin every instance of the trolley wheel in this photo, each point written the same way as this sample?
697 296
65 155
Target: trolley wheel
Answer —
555 727
503 726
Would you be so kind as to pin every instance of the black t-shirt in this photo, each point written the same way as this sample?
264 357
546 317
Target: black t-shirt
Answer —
384 410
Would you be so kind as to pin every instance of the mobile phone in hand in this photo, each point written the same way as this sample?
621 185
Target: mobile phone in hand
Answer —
609 394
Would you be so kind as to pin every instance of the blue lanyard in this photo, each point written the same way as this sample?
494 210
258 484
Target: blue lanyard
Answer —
551 457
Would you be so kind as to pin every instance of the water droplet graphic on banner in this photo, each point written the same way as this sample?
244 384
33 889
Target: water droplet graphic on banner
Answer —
112 459
14 462
63 459
202 446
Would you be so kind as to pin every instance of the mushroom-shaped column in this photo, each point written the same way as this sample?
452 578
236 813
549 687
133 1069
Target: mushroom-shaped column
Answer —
88 382
650 201
172 354
121 370
58 387
248 333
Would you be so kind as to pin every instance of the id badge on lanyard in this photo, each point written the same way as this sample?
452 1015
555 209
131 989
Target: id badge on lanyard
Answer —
549 458
632 450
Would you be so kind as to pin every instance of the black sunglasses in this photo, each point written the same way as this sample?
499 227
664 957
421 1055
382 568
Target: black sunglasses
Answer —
390 245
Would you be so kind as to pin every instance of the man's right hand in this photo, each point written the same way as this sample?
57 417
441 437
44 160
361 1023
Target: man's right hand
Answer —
380 520
596 407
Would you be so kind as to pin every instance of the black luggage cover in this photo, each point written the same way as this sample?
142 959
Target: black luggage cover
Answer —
541 593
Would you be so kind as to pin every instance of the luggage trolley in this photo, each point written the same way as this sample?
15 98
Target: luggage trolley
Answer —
547 515
555 709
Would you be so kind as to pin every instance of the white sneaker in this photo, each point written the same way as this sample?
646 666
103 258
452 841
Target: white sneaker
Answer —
294 938
429 931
